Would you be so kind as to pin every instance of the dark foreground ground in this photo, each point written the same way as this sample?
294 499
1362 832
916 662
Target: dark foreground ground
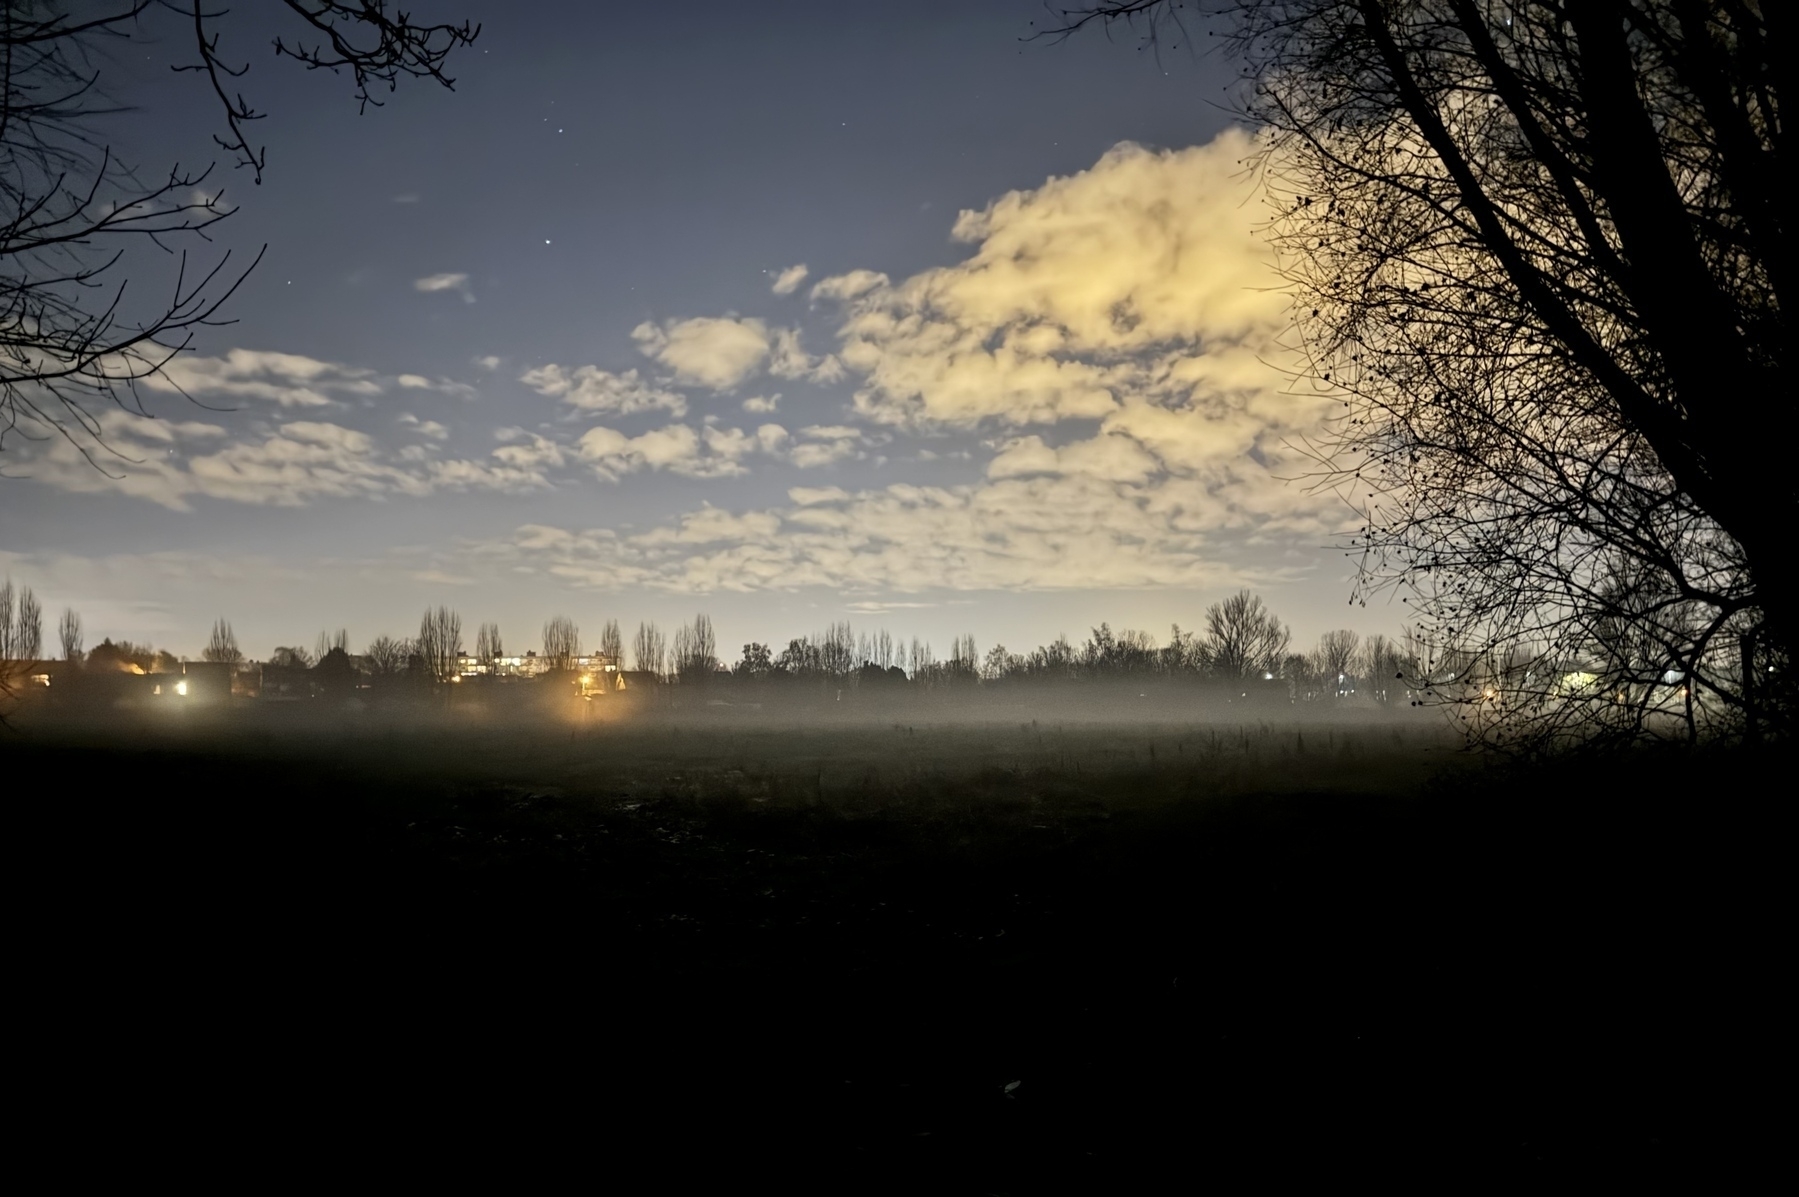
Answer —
982 960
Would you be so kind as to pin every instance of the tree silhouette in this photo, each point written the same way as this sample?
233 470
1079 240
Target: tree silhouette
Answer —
696 652
561 642
21 624
328 641
1540 251
223 645
1243 638
648 649
1336 656
757 663
388 657
439 643
69 346
488 648
69 630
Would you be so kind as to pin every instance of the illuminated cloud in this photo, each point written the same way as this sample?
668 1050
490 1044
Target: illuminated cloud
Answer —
710 351
590 388
788 281
304 461
1044 532
787 359
707 452
288 379
1119 284
844 287
720 352
822 445
1118 329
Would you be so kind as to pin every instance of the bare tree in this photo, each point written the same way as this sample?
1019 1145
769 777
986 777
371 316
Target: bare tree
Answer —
223 645
1243 637
1540 250
561 642
612 644
1382 666
837 650
327 641
1336 657
439 643
696 651
69 347
998 664
388 657
30 632
21 637
488 648
921 662
70 630
8 619
648 649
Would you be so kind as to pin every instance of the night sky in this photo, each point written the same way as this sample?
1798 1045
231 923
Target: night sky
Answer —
788 313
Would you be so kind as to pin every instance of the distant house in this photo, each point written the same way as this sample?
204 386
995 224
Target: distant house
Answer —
206 682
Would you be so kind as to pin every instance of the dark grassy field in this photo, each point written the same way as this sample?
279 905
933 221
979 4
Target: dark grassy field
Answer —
987 959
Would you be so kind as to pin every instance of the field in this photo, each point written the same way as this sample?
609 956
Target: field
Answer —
972 957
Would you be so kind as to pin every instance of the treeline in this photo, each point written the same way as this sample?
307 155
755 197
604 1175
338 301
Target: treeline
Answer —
1242 643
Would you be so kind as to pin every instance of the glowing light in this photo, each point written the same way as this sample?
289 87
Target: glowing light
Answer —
181 689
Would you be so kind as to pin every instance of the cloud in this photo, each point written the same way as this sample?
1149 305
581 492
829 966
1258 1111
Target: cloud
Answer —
707 452
762 404
1116 333
418 382
710 351
289 379
590 388
788 281
427 428
1048 531
676 447
489 362
844 287
296 463
1126 282
446 282
1112 458
721 352
787 359
823 445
